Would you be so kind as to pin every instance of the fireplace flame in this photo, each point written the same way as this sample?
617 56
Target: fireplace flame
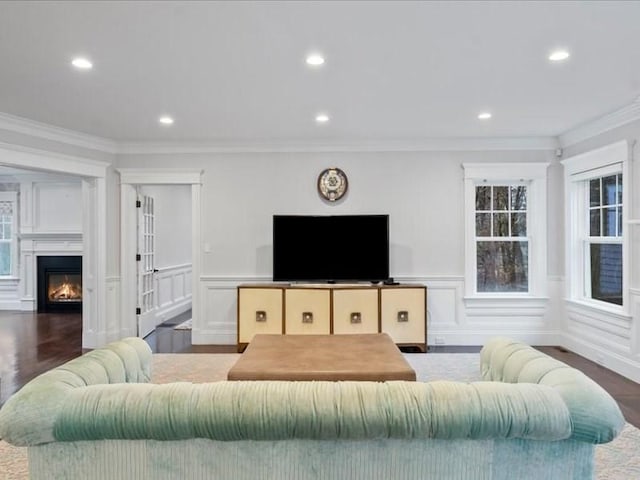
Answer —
65 291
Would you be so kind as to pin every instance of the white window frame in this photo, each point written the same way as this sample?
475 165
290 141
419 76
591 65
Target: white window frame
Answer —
608 160
13 198
534 177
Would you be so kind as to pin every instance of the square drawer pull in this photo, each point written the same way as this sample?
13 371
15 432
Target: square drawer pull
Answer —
261 316
356 317
307 317
403 316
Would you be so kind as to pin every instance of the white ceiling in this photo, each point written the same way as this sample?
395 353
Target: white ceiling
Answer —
395 71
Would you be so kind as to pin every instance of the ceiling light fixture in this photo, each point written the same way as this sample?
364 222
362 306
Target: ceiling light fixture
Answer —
315 60
322 118
82 63
166 120
559 55
484 116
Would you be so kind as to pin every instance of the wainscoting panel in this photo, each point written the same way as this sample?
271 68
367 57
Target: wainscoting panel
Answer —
635 328
10 294
218 322
606 338
449 320
173 291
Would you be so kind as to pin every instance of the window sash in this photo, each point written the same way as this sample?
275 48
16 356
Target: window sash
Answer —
588 272
504 207
8 230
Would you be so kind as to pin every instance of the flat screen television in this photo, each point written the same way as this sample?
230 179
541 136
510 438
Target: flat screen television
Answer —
330 248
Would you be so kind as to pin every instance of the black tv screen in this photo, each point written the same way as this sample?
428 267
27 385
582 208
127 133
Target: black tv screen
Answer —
330 248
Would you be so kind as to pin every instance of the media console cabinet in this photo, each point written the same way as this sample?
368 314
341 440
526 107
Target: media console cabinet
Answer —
276 308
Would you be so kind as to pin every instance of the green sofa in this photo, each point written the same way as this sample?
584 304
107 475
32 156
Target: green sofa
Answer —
98 417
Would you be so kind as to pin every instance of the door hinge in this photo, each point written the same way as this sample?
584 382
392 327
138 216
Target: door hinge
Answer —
138 203
138 257
138 311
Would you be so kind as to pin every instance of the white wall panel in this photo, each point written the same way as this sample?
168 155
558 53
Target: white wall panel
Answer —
171 296
219 325
58 207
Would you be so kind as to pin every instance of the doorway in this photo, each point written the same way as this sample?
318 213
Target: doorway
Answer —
132 181
92 174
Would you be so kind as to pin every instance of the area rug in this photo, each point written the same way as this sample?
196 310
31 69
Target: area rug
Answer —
617 460
186 325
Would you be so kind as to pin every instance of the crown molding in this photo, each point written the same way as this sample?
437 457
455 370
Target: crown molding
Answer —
32 128
592 128
19 156
427 145
622 116
57 134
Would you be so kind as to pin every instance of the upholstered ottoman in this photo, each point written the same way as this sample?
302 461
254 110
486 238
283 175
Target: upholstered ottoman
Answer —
365 357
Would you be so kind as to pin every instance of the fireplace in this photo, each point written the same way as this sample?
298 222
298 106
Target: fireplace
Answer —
59 284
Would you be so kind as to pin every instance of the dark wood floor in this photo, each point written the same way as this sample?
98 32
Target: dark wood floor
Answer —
33 343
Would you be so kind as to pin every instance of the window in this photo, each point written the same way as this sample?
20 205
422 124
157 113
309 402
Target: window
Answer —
605 239
596 236
8 247
502 246
505 220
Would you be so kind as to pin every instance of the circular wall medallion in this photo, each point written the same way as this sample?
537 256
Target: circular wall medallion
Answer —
332 184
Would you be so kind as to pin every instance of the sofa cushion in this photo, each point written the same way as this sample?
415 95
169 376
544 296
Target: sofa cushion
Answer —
272 410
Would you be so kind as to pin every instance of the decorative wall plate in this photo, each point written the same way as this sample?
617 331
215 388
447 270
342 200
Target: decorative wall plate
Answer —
332 184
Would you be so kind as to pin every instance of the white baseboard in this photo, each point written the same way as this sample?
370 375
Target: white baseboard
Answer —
625 366
27 304
10 304
173 310
469 338
208 337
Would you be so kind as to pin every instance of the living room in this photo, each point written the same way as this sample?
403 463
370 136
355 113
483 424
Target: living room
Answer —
419 177
229 112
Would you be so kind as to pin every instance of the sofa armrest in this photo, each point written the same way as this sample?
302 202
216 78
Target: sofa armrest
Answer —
28 417
595 415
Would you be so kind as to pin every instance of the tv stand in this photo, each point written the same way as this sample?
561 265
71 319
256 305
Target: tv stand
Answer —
334 308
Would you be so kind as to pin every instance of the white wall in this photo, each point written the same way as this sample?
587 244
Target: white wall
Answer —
421 191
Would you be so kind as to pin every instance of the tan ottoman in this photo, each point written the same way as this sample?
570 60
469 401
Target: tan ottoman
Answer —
367 357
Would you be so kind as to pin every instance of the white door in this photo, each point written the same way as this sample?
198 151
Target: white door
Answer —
145 260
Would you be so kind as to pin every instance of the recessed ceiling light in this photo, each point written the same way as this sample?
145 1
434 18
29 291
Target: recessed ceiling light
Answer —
322 118
559 55
484 116
82 63
315 60
166 120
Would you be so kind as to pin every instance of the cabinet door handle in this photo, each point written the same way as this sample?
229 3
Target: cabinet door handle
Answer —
403 316
261 316
356 317
307 317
